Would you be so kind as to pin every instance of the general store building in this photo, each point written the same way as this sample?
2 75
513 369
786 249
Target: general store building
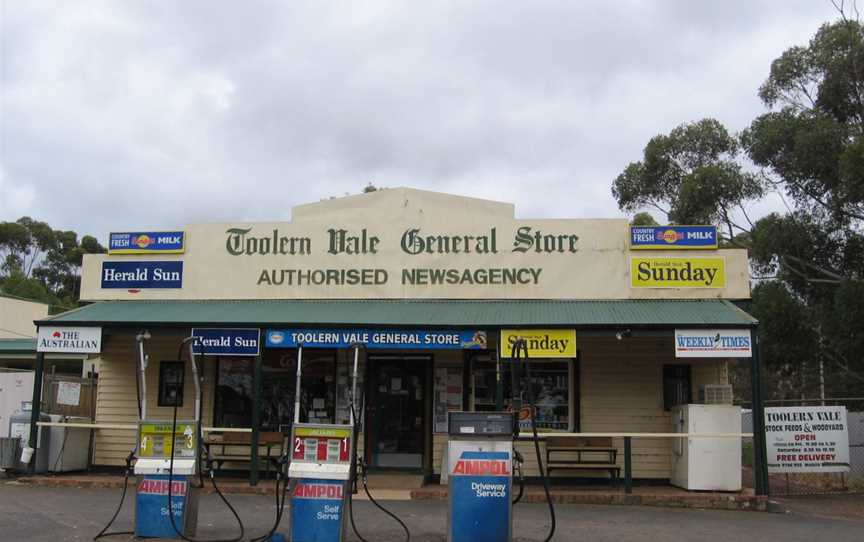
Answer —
432 284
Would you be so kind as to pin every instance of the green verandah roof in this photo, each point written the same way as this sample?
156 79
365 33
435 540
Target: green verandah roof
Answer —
17 346
417 313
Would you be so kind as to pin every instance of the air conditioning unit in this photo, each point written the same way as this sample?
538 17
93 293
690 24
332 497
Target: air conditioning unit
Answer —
715 394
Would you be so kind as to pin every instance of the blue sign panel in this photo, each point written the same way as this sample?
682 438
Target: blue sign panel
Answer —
317 510
672 237
480 504
226 342
140 275
139 242
377 338
151 506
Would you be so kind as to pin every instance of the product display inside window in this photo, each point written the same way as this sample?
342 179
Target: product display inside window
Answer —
234 393
550 381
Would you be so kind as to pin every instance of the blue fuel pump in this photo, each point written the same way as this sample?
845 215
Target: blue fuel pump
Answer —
323 472
320 472
482 460
323 469
480 476
167 457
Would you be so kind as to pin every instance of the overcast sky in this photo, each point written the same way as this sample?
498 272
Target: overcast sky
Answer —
123 115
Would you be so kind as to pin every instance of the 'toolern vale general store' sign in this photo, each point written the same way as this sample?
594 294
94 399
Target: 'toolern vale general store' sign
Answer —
405 244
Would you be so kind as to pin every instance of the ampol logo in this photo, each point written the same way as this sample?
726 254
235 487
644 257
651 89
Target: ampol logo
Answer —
160 487
480 467
318 491
142 241
670 236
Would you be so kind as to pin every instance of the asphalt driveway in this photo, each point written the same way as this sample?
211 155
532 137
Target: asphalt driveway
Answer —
50 514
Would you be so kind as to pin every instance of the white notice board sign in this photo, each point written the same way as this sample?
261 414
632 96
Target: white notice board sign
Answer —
807 439
68 393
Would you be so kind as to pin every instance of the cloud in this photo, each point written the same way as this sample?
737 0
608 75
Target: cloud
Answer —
123 115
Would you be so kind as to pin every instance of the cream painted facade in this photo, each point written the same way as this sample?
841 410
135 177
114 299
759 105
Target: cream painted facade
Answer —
615 386
17 317
455 239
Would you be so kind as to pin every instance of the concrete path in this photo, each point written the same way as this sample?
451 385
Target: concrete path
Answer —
31 513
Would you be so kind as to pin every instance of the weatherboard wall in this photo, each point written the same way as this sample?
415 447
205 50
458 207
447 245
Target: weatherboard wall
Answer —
620 390
116 395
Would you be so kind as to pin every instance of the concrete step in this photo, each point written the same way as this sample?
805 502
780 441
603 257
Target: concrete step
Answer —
379 480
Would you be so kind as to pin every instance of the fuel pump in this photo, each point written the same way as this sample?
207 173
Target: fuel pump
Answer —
482 459
167 461
320 472
167 457
323 471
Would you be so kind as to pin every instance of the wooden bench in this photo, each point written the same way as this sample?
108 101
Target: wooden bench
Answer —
231 446
591 453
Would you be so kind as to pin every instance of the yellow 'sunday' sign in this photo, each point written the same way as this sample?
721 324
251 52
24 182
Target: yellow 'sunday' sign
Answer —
542 343
677 272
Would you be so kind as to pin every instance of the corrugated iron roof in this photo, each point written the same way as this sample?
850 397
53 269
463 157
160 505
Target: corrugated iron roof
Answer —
17 346
511 313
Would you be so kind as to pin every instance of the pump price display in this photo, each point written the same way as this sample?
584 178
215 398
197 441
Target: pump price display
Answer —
321 445
154 440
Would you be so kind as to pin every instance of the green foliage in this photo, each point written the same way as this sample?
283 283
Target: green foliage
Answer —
26 288
810 260
813 144
790 343
690 174
42 264
643 219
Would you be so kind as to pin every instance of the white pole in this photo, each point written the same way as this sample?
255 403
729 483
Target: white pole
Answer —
354 384
297 387
197 381
142 371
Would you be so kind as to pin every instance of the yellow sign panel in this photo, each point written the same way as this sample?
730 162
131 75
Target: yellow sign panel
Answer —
155 440
542 343
677 273
322 432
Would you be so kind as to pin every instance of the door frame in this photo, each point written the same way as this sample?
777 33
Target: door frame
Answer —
372 365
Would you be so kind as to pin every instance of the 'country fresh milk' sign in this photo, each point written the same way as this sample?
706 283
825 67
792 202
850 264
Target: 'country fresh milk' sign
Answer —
807 439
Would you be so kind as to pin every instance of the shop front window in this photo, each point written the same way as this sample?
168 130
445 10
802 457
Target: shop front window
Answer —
550 383
235 398
676 386
171 383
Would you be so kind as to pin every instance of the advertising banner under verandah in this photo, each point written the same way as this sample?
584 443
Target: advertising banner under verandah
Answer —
541 343
226 342
377 338
713 343
69 339
807 439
